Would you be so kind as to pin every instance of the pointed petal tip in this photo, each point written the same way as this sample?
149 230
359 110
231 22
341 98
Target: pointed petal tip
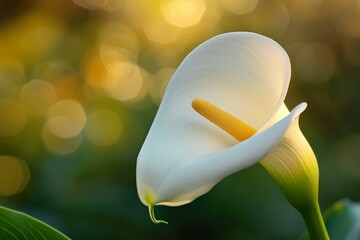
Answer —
299 109
152 215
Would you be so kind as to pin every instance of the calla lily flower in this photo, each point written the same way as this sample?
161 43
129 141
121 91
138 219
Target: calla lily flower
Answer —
236 80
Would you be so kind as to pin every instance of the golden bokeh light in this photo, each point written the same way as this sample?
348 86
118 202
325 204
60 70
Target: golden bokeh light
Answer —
55 144
40 44
81 80
158 83
182 13
14 175
115 70
306 10
91 4
106 5
93 71
13 117
31 36
66 118
52 71
68 87
62 76
119 35
103 127
37 96
160 32
346 17
124 79
240 6
12 74
109 54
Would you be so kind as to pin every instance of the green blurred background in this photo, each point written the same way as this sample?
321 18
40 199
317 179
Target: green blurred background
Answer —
80 83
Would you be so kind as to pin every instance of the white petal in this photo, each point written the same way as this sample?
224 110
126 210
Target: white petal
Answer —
245 74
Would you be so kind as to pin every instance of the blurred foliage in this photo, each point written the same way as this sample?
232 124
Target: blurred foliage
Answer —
80 82
342 221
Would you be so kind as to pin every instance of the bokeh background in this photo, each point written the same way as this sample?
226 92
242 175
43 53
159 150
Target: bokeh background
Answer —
80 83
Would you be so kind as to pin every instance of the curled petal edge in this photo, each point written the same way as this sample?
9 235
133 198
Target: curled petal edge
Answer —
193 178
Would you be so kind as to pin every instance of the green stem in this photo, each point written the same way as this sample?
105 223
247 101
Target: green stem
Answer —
315 223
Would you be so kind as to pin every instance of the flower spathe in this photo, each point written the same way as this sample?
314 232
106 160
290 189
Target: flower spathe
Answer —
293 165
184 155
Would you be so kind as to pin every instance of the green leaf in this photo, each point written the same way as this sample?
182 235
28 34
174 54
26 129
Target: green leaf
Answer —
342 221
16 225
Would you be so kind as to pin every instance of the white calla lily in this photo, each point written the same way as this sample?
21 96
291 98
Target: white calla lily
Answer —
185 155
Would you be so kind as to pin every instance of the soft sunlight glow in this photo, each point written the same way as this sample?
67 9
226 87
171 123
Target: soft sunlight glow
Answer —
14 175
183 13
93 71
37 96
55 144
161 32
91 4
113 59
115 70
240 6
305 10
105 5
13 117
33 35
124 80
103 127
66 118
117 35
